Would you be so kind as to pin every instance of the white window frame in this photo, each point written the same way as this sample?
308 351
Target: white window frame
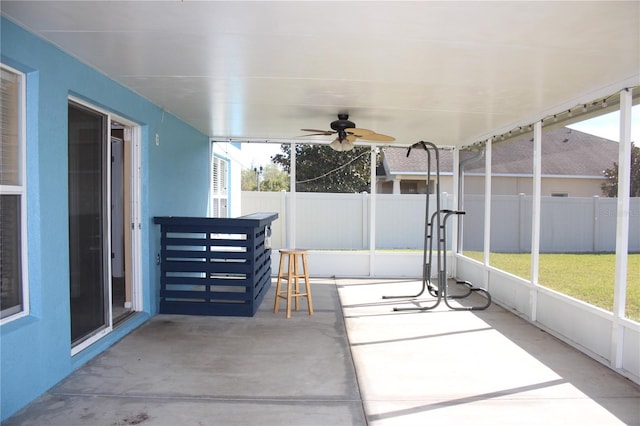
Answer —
21 190
219 187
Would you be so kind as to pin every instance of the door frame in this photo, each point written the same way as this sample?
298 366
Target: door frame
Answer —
132 147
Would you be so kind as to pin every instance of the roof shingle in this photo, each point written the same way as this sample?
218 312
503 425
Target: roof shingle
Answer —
565 152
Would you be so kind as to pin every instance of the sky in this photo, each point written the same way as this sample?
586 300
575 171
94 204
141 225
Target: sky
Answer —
259 154
608 125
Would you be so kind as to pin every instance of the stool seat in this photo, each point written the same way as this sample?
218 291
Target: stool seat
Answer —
292 275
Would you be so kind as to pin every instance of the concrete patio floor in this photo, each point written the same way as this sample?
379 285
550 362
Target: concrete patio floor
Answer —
354 362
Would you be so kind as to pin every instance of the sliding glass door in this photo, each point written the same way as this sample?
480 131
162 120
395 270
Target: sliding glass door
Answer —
88 247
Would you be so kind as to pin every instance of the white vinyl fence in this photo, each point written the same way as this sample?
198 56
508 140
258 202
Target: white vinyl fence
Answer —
567 225
341 221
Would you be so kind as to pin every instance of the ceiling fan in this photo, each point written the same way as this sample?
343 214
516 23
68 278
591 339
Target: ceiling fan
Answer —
347 133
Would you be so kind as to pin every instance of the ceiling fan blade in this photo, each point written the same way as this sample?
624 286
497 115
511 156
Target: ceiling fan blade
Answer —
377 137
351 138
314 134
319 132
358 132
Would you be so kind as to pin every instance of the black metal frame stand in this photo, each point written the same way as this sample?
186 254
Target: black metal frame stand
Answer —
428 225
438 218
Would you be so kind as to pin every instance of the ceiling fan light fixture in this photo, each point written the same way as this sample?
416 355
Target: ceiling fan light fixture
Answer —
347 145
340 146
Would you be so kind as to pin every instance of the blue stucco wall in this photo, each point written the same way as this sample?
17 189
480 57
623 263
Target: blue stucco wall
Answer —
35 350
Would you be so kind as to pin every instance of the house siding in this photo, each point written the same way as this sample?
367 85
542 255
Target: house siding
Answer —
510 185
36 349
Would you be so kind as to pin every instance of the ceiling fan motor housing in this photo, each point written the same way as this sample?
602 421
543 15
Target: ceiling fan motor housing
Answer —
341 124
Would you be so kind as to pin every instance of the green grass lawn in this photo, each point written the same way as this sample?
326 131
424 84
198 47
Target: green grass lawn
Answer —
588 277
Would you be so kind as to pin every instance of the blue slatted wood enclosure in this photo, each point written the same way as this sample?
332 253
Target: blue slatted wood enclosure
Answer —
214 266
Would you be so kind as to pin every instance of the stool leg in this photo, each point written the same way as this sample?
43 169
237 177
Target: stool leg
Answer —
290 284
296 280
276 304
307 284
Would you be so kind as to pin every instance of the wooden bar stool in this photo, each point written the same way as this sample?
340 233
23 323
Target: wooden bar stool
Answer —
293 276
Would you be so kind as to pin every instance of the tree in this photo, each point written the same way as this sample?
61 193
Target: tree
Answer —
271 179
275 179
321 169
610 186
248 180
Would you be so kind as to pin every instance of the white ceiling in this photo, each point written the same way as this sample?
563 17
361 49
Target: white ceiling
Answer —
451 72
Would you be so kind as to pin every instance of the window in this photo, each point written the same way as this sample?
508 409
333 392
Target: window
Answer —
473 202
13 277
408 187
512 204
219 187
577 236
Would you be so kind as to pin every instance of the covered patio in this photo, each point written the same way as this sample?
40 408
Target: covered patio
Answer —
354 362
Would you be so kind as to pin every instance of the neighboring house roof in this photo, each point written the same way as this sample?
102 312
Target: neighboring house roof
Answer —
396 162
565 152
